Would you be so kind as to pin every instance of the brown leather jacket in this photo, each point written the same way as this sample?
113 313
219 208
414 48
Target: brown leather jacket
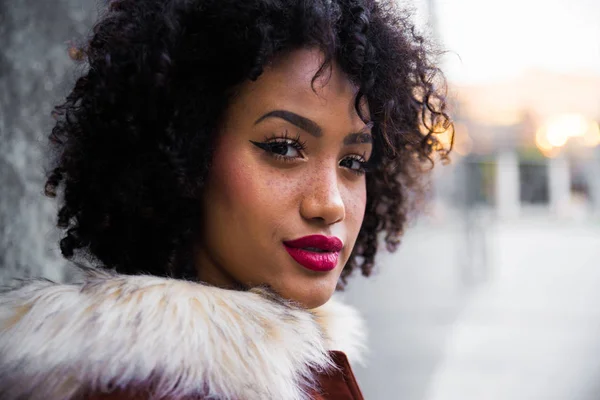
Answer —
340 385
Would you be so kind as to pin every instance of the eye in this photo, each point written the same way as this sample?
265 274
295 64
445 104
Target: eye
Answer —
354 163
282 147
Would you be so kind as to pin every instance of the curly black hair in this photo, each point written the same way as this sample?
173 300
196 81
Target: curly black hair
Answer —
134 136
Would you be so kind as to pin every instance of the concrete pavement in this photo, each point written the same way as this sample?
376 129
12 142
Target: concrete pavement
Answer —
528 330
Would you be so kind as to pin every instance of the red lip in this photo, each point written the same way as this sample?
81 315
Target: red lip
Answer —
324 260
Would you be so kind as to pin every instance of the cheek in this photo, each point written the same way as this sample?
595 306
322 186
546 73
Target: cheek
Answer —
227 178
355 208
242 185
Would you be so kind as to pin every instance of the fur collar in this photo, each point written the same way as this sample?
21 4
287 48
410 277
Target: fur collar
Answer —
113 331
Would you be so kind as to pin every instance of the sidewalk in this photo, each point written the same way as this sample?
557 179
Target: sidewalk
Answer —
530 331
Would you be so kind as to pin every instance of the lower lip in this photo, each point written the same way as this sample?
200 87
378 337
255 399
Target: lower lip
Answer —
320 262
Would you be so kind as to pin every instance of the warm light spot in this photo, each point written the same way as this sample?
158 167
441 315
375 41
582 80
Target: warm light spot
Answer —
555 134
562 128
556 138
445 138
592 136
541 140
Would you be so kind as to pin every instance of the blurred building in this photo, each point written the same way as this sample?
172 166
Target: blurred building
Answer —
530 145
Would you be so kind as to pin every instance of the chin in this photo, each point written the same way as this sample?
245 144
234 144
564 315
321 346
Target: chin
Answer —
310 294
317 301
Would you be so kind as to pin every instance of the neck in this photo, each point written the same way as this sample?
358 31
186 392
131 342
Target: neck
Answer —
212 272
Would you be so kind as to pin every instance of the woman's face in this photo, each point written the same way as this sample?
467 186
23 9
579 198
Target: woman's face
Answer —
286 194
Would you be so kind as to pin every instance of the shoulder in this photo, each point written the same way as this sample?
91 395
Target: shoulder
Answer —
111 330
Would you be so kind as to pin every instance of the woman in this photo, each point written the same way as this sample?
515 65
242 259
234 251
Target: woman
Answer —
225 165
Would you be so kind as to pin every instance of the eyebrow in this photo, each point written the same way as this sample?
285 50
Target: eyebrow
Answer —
295 119
313 128
358 138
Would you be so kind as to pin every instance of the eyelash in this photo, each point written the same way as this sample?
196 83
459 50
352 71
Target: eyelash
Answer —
270 142
364 165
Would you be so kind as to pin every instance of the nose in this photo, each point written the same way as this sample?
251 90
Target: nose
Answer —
322 200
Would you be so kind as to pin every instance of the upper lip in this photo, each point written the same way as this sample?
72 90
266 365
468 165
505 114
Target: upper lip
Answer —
321 242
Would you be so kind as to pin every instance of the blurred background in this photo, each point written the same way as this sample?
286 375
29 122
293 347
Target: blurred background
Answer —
493 292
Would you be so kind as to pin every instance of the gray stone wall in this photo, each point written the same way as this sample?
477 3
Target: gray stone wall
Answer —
35 74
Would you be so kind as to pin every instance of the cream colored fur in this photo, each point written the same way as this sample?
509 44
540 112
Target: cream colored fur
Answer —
115 331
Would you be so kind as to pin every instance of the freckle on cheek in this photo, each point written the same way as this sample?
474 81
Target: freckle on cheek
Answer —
283 185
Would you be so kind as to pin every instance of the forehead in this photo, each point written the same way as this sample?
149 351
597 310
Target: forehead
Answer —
298 68
287 82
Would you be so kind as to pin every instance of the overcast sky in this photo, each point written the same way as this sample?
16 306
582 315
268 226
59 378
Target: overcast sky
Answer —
491 40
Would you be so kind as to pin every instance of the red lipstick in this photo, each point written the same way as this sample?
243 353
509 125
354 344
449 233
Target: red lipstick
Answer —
316 252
